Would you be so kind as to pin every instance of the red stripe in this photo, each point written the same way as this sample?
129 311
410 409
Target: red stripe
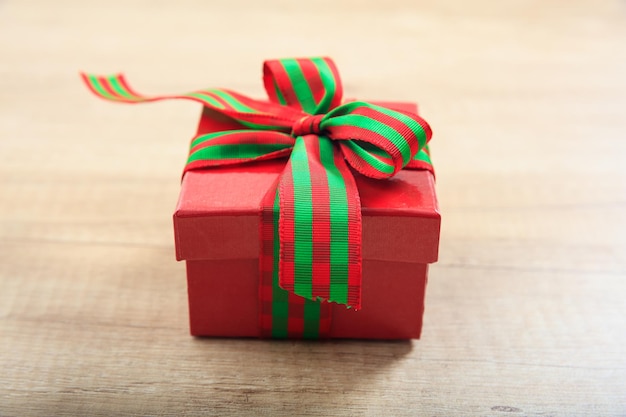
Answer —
206 163
266 262
295 321
336 101
312 75
268 81
87 82
416 164
279 76
421 121
120 79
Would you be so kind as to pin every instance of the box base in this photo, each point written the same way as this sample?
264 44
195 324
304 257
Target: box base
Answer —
223 300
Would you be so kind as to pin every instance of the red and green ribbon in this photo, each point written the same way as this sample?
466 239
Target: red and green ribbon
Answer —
311 220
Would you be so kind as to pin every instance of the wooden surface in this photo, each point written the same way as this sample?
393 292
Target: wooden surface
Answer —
525 310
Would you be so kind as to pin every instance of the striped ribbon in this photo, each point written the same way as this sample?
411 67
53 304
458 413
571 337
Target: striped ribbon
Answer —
311 220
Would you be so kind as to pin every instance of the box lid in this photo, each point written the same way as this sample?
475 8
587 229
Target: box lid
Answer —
217 216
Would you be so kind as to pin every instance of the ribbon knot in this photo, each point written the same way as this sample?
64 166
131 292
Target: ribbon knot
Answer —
307 125
311 227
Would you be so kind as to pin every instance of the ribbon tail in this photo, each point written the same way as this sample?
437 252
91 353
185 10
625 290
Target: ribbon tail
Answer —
283 314
253 114
320 225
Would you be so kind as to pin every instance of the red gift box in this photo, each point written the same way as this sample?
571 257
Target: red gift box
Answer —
217 223
269 246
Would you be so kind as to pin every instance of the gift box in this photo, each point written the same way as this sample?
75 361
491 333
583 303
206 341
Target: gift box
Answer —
303 216
217 224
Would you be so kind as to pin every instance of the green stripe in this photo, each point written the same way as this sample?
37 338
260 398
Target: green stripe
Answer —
115 84
237 105
95 83
338 223
236 151
280 297
329 82
300 85
365 122
204 97
303 219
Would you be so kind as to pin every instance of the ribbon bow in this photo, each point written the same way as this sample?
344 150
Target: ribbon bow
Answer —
319 214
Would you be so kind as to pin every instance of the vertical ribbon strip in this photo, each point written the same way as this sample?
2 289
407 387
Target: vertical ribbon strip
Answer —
311 223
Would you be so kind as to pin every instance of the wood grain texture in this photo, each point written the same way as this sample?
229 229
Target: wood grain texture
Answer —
525 310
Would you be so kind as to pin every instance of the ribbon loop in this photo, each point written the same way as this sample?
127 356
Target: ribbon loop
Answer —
311 85
376 141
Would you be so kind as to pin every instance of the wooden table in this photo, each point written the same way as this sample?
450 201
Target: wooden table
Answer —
525 309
